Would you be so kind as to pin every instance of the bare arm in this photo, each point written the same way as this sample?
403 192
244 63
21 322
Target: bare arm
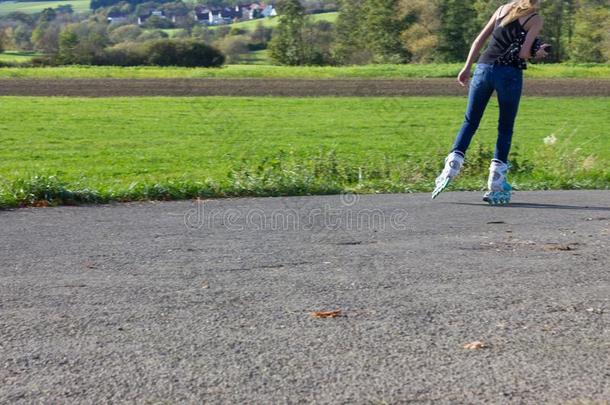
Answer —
535 26
476 48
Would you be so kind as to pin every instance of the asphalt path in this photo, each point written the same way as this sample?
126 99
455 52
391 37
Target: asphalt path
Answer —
212 301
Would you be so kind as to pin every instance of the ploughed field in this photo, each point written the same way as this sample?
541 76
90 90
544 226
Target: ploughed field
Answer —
252 87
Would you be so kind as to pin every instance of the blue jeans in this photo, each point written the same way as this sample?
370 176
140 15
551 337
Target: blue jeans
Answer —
507 82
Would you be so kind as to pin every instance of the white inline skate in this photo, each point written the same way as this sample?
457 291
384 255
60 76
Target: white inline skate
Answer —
453 165
500 191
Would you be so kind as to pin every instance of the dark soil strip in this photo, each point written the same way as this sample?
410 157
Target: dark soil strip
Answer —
282 87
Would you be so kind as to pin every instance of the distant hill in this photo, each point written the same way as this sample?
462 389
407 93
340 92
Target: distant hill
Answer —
272 22
32 7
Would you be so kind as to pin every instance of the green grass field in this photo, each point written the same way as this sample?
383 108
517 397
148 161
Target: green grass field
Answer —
32 7
172 32
126 148
598 71
273 22
18 56
257 58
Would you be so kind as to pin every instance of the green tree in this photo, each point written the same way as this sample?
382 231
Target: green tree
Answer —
383 27
2 40
605 46
559 24
420 38
47 15
592 24
46 34
151 35
45 37
553 13
457 30
318 38
484 9
157 22
351 45
21 37
124 33
68 41
286 46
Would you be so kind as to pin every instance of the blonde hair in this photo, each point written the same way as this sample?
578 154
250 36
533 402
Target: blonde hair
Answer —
520 8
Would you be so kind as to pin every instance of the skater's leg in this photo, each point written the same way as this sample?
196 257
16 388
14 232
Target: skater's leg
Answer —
481 89
453 165
509 84
499 189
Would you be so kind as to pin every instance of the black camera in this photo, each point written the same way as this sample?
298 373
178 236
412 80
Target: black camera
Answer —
538 45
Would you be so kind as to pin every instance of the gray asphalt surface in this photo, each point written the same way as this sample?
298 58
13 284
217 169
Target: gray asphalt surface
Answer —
210 302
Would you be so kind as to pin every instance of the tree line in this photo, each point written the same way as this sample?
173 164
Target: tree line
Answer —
365 31
423 31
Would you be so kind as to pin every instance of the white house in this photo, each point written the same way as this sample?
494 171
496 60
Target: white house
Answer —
156 13
269 11
117 20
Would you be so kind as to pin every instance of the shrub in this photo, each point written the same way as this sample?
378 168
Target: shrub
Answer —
81 43
158 22
234 47
37 61
318 39
123 54
125 33
186 53
162 53
150 35
165 52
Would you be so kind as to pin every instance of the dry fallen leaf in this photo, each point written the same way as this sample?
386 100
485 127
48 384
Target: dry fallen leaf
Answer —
326 314
476 345
557 247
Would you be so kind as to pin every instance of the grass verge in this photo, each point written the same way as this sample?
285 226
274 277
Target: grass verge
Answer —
284 175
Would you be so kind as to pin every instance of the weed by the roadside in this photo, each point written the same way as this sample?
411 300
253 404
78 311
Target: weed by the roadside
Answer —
326 172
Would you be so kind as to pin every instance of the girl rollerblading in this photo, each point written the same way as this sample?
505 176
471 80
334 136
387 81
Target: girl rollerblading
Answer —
513 29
